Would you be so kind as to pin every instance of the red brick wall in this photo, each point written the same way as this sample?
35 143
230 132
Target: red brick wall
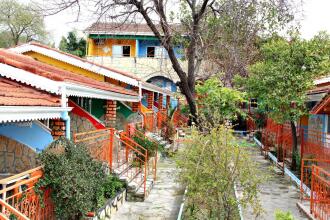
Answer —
160 101
168 101
58 128
110 115
150 99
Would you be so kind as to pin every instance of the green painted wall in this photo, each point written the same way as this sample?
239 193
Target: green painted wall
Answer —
123 110
98 107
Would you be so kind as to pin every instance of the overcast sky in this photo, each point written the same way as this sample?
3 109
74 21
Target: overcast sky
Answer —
316 17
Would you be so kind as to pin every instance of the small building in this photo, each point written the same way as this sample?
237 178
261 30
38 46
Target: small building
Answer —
126 109
25 113
134 48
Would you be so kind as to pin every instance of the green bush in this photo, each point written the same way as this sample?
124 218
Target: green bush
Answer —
78 183
280 215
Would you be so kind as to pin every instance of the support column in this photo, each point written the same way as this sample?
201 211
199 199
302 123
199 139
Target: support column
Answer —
135 105
150 99
58 128
110 115
160 101
168 102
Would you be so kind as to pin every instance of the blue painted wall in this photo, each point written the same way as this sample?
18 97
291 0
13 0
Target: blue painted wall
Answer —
318 123
165 83
143 44
34 136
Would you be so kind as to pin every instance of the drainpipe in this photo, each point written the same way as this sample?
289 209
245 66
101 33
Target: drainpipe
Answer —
140 90
65 115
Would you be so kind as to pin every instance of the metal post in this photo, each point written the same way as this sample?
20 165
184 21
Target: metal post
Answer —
111 133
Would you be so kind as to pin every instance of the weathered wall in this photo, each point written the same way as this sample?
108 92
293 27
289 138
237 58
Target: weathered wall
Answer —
15 157
80 124
144 68
106 48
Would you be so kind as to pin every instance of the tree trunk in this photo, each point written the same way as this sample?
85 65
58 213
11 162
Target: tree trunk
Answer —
294 145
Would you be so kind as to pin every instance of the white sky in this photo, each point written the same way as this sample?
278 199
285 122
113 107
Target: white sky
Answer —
316 17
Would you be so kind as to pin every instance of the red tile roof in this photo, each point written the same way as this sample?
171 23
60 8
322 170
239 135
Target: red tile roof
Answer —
319 107
132 28
17 94
87 61
29 64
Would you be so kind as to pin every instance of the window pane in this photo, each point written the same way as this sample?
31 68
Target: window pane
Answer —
126 51
117 51
150 51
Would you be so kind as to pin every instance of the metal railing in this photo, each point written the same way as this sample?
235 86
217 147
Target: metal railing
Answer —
19 200
179 120
123 155
135 132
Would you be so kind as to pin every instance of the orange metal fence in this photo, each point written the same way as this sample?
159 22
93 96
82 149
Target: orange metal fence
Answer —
161 118
19 200
178 119
131 132
98 142
123 155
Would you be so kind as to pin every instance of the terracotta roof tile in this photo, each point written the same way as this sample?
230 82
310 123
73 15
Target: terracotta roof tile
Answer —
17 94
132 28
29 64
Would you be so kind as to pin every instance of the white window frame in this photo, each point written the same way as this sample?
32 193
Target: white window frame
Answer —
122 50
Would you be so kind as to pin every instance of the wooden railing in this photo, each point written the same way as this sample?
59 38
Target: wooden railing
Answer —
19 200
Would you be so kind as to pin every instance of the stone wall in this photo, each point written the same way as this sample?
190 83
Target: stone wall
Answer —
144 68
15 157
80 124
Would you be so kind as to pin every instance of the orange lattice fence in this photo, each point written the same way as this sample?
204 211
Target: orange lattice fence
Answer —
315 144
270 134
19 200
320 193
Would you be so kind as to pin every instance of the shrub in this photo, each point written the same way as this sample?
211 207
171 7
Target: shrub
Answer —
168 131
280 215
78 183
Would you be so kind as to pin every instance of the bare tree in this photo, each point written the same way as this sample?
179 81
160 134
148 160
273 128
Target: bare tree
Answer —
21 22
200 23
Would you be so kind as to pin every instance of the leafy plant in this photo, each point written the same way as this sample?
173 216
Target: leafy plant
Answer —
210 165
149 145
168 131
280 215
217 104
78 183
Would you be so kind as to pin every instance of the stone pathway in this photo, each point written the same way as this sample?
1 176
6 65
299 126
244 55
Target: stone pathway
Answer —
164 200
277 193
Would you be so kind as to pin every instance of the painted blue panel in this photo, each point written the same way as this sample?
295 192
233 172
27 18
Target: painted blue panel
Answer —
143 44
318 123
32 135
